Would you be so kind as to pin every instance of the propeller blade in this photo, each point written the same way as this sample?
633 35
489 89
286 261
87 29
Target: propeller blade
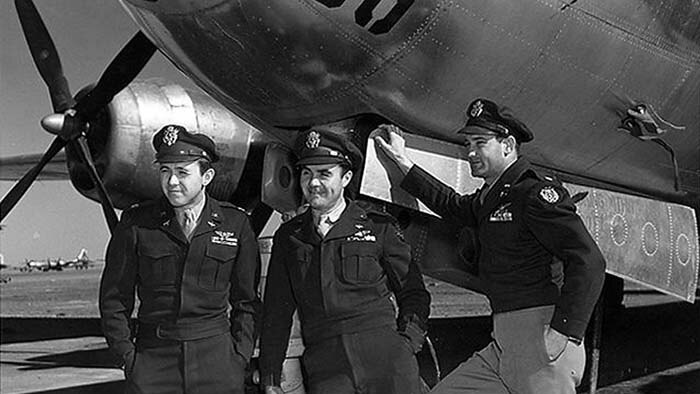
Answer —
45 55
107 206
18 190
120 72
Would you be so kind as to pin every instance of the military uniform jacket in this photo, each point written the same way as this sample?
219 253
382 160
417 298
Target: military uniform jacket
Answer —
526 221
181 282
340 284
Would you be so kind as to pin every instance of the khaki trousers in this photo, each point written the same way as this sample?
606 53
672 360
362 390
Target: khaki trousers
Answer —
516 361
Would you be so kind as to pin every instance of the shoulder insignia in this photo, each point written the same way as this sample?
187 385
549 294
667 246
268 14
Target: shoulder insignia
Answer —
225 204
549 194
378 215
389 220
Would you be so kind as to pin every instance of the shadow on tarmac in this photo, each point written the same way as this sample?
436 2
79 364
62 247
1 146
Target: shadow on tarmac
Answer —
94 358
30 329
15 330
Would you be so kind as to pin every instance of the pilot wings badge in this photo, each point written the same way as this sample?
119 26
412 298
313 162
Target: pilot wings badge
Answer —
224 238
362 235
502 214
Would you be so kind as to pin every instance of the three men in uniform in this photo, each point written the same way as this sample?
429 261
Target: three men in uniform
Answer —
345 267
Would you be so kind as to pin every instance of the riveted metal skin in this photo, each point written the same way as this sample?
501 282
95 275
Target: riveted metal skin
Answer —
420 63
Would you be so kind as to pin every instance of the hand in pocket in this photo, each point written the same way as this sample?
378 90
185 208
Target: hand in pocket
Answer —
554 343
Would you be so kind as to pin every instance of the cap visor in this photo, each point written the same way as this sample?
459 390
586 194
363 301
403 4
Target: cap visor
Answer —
476 130
320 160
177 159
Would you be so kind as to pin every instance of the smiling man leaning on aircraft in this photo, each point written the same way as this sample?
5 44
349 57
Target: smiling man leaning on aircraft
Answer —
525 224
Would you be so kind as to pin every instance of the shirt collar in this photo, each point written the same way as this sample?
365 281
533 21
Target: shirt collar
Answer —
500 175
334 213
196 209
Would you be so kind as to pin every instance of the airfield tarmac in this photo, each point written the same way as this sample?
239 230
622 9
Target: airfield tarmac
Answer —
51 340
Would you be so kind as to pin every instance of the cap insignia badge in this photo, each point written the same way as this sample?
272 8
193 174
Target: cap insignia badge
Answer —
549 194
476 109
313 140
170 136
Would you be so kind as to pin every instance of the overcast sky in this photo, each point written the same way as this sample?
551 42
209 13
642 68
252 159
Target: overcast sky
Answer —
53 220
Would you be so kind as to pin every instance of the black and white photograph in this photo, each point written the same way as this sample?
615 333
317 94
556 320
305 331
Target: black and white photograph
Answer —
350 197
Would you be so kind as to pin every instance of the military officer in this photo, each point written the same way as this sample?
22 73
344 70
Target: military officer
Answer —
338 263
538 265
189 258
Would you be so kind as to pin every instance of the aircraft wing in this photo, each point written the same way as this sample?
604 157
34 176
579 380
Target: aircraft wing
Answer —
14 167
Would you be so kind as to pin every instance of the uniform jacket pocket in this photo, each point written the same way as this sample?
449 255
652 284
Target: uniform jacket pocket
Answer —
215 271
360 263
157 264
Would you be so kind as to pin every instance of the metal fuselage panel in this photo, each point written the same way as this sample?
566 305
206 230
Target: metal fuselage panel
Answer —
419 63
136 114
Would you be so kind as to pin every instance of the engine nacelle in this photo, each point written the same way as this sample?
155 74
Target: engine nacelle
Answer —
120 142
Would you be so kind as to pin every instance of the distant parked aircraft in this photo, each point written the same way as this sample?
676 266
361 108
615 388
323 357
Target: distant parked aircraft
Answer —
81 261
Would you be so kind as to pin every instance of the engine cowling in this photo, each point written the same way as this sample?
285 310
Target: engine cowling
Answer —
120 142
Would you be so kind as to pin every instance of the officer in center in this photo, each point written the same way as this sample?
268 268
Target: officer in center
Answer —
339 264
190 259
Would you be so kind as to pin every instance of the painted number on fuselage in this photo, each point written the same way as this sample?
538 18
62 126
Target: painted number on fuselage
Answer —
363 13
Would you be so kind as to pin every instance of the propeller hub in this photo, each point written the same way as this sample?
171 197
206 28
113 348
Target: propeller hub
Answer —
53 123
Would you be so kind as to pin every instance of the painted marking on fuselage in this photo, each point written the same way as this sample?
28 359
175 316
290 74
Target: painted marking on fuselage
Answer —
683 258
647 238
364 13
619 229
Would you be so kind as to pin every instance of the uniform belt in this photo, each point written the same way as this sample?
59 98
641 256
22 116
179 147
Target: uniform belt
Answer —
162 334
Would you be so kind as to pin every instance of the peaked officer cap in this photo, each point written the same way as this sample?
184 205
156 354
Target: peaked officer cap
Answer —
326 147
173 143
486 117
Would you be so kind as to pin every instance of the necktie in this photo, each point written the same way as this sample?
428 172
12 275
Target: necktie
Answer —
189 222
484 192
324 225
